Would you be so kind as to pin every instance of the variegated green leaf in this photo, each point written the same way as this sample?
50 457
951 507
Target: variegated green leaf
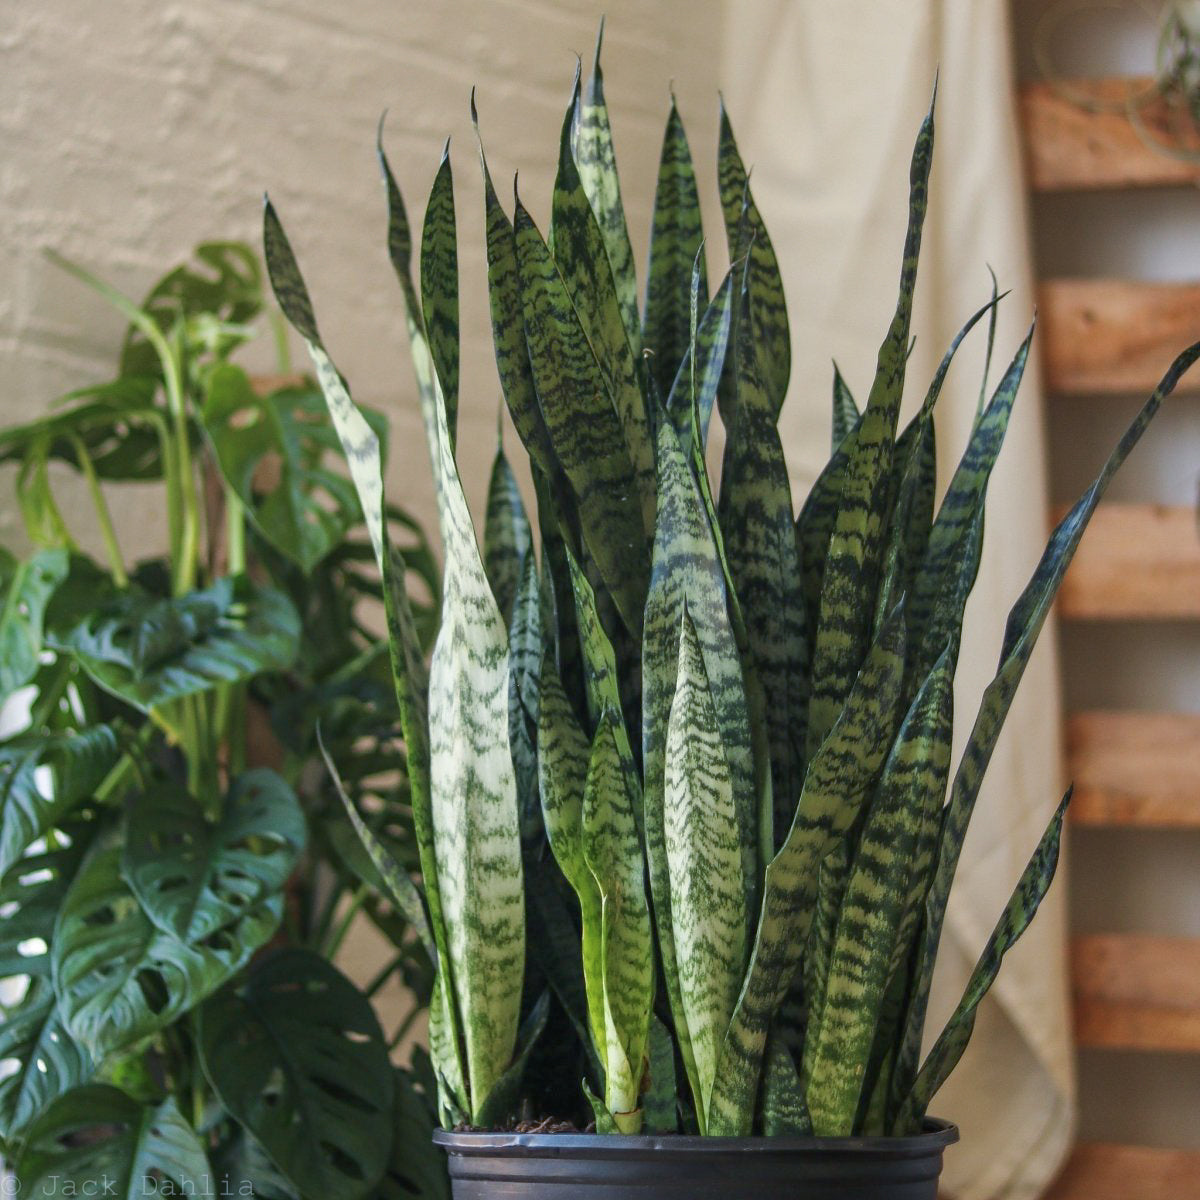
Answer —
1025 621
524 671
696 384
831 886
784 1112
676 245
584 427
578 248
613 852
845 411
851 569
660 1105
439 287
757 528
837 784
508 327
871 915
399 241
947 1050
362 450
704 866
563 755
507 537
951 561
597 164
747 234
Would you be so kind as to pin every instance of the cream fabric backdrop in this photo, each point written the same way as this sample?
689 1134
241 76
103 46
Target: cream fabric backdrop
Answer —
826 100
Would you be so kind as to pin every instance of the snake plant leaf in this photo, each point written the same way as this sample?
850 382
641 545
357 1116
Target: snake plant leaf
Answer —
784 1112
399 242
295 1054
814 527
476 829
31 894
597 165
503 1101
758 532
688 565
831 887
613 854
46 1061
698 379
397 883
119 978
577 247
44 778
845 410
25 590
269 450
873 907
659 1101
524 671
508 327
836 786
148 651
97 1141
194 876
584 427
851 571
409 673
439 287
951 562
747 235
676 245
507 536
704 866
947 1050
563 756
1025 621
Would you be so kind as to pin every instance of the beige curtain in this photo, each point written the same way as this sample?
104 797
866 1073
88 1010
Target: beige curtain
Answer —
826 100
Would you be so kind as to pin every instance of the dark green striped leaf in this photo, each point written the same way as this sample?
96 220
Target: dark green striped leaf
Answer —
507 537
698 380
845 411
948 1049
597 163
439 287
872 909
784 1112
584 427
704 868
676 246
851 571
837 784
747 234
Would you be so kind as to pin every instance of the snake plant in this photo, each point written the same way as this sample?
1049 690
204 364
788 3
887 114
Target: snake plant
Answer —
681 764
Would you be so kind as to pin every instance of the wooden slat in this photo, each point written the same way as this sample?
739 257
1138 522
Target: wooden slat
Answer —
1135 769
1113 337
1137 992
1135 562
1069 148
1103 1172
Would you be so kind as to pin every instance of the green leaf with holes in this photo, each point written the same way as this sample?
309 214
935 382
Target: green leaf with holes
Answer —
296 1055
97 1141
194 876
119 977
25 591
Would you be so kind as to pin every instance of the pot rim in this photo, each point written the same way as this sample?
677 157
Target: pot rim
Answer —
937 1136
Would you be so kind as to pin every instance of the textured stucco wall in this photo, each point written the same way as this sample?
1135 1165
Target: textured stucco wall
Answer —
132 131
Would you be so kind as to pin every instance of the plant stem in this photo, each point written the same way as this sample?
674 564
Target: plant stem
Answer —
107 532
339 934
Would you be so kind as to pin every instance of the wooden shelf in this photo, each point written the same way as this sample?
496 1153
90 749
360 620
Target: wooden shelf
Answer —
1105 337
1071 148
1135 770
1102 1172
1136 992
1135 562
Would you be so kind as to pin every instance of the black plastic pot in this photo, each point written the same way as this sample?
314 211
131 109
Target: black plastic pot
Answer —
559 1166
